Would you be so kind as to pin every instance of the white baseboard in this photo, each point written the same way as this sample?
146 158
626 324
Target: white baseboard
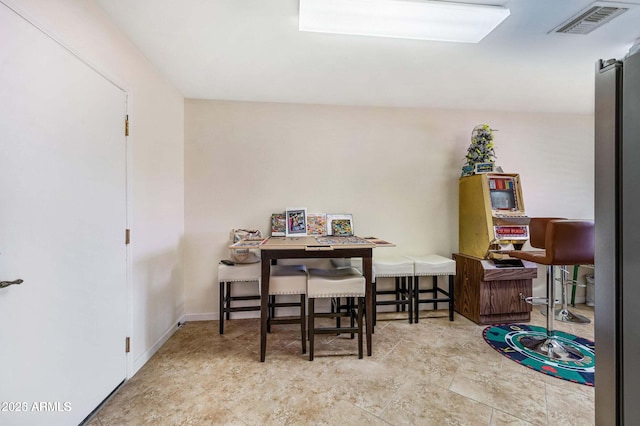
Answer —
214 316
146 355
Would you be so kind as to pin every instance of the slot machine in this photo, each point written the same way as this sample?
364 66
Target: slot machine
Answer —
492 217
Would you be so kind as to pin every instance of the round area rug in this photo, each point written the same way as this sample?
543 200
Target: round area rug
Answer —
506 340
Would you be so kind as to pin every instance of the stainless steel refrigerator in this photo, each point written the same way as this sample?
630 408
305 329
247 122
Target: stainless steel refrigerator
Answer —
617 257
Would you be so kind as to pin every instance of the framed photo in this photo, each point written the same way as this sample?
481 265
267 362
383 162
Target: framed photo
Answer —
340 225
316 224
467 170
483 167
296 222
278 225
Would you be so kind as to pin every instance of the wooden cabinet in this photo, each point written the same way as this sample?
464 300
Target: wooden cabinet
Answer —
487 294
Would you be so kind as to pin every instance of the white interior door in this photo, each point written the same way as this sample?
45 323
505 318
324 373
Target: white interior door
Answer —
62 229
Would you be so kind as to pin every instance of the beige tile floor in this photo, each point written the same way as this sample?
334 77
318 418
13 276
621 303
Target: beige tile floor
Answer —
432 373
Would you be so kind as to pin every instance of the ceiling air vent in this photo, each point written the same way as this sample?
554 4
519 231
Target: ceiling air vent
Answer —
595 16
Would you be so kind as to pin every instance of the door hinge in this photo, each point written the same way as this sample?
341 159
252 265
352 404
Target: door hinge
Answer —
127 345
126 125
127 236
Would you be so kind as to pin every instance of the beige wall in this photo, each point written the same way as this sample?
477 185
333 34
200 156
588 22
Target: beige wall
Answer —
395 169
156 161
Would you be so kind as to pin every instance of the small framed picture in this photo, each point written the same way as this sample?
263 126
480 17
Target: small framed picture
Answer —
467 170
340 225
316 224
278 222
483 168
296 222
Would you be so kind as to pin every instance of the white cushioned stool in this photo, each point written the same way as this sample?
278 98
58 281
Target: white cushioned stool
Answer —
401 270
344 262
288 280
334 284
311 262
240 272
432 266
347 262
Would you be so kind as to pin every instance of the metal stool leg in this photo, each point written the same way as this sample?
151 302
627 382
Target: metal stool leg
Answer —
565 315
562 313
549 345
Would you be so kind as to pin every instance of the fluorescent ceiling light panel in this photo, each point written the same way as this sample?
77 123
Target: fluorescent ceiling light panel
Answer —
422 20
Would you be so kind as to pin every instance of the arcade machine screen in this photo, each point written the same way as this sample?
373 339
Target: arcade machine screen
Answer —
502 192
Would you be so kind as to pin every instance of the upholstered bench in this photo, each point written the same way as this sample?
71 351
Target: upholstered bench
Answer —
432 266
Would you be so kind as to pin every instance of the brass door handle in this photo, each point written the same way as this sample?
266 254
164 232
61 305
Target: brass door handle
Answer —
4 284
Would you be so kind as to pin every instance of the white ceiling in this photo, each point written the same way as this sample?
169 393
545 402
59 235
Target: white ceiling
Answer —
251 50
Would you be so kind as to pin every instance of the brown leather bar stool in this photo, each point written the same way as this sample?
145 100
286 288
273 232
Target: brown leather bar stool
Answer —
537 232
567 242
537 235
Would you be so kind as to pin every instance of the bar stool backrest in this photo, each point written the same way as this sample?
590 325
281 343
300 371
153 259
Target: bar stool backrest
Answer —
570 242
538 230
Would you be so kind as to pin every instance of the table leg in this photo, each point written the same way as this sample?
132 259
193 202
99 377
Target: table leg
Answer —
264 306
367 266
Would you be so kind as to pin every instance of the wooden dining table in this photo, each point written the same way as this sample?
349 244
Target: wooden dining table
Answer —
305 247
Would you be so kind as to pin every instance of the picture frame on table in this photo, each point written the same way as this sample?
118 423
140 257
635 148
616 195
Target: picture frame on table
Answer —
317 224
296 219
278 224
340 225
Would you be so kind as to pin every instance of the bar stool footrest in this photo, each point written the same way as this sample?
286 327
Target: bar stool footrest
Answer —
535 300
